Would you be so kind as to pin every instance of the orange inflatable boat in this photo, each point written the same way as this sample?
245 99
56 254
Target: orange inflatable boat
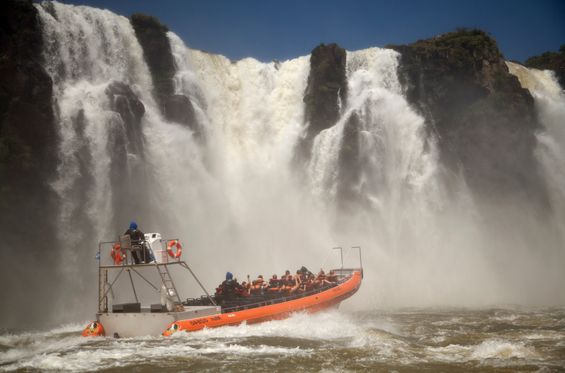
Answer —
125 274
277 307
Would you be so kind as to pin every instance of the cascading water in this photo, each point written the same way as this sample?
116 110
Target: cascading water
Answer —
86 50
228 187
251 115
399 164
550 102
95 61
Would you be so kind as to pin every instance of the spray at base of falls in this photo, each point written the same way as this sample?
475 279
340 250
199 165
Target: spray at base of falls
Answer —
234 197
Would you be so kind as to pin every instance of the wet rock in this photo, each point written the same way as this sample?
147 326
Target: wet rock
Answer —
125 102
152 36
28 161
349 178
484 120
126 147
327 87
28 140
178 108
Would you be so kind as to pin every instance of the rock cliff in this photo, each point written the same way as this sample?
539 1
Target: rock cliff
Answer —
28 145
485 121
152 35
325 93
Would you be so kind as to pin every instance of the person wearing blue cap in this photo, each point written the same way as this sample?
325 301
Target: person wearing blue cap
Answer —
138 238
227 289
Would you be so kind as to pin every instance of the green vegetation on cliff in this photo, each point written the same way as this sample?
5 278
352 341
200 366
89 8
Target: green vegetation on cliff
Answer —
550 61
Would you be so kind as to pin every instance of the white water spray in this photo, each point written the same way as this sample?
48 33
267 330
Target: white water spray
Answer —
232 195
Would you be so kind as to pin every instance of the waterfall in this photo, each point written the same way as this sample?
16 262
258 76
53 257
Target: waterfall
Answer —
399 165
229 186
247 201
550 104
86 50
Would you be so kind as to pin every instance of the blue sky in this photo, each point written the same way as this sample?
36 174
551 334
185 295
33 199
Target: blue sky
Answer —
269 30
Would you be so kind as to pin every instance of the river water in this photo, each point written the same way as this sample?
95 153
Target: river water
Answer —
423 340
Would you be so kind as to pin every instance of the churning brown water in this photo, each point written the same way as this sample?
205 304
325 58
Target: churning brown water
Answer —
430 340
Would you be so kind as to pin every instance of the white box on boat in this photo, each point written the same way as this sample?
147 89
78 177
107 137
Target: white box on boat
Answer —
154 242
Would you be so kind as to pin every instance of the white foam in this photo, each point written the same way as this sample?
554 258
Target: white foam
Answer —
329 325
86 354
490 349
501 349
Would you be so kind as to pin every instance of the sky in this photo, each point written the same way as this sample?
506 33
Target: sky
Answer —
279 30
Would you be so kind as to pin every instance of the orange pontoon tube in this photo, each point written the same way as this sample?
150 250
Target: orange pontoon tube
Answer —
310 303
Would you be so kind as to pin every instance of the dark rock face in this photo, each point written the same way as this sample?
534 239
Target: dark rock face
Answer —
349 165
126 144
152 35
327 85
125 102
28 145
550 61
178 108
485 121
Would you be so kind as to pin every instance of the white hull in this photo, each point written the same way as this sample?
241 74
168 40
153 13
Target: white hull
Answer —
147 323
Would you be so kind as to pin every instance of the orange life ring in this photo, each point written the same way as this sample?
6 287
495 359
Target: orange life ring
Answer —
176 244
94 329
117 254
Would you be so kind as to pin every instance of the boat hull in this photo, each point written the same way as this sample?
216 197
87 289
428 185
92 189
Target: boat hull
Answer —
145 323
312 303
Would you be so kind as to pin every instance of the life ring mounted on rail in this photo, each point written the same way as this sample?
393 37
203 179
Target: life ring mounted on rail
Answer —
176 244
117 254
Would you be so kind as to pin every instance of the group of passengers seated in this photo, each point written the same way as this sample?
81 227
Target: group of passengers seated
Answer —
303 281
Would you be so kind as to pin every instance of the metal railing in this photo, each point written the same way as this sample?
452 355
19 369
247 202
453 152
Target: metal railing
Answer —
128 265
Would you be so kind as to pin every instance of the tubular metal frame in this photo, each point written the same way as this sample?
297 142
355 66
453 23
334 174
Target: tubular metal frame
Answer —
129 267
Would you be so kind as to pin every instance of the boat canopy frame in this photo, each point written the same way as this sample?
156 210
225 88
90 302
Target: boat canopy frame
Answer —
105 288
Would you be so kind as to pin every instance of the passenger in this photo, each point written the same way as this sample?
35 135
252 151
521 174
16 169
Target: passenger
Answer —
227 289
137 238
309 283
244 289
287 282
332 277
274 284
258 285
305 271
297 282
321 279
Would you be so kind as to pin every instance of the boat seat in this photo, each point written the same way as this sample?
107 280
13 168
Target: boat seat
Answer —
158 308
126 308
